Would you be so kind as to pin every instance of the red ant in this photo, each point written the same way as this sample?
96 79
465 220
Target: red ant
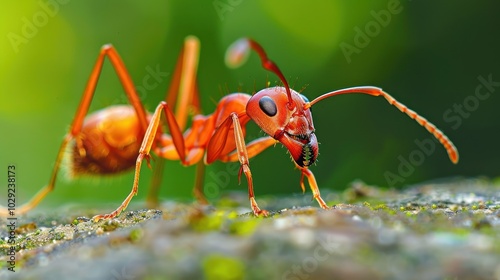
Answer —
107 141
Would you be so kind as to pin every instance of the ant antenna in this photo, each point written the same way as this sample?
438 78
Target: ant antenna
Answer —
238 52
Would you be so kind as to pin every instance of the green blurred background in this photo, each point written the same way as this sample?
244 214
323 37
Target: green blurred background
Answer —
429 56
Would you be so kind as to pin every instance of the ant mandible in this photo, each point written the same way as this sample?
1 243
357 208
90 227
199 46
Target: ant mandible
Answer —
107 141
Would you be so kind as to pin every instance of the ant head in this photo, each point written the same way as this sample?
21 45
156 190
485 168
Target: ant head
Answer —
293 128
280 112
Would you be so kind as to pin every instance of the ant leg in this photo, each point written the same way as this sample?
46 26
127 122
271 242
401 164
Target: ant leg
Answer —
188 91
183 84
314 186
76 126
253 148
198 185
147 143
216 145
126 81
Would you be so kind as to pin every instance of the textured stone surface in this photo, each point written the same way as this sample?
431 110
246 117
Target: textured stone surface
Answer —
448 230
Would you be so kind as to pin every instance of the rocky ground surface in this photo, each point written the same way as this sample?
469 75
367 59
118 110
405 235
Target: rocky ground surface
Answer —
447 230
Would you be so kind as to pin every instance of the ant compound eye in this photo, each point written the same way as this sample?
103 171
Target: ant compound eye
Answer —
268 106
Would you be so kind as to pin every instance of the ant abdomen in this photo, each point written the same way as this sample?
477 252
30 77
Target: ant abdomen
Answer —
108 142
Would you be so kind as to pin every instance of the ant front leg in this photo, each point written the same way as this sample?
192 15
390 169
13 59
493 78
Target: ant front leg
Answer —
216 145
314 186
